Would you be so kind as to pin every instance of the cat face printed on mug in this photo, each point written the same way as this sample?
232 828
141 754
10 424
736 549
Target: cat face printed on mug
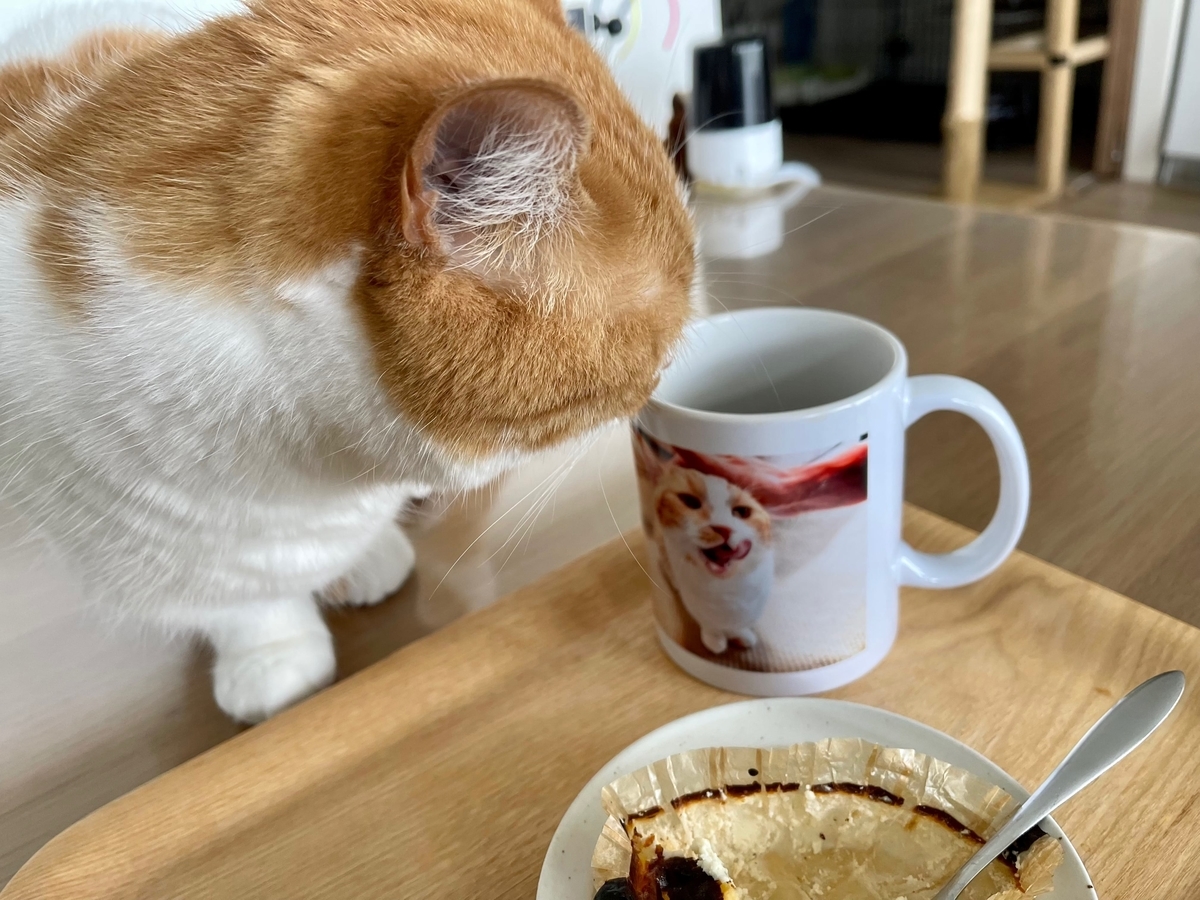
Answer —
741 543
718 526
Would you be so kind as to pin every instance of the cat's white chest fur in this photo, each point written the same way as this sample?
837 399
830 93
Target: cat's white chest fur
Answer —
208 459
727 605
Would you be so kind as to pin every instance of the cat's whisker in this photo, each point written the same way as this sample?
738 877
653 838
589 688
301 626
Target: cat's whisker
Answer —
617 525
548 498
484 532
761 362
545 485
529 519
788 296
532 521
692 131
551 495
734 273
792 231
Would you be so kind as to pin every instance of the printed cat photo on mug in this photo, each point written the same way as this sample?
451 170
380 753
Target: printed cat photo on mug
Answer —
759 561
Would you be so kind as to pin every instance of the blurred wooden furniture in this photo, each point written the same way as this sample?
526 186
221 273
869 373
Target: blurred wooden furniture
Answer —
1055 52
1124 17
442 771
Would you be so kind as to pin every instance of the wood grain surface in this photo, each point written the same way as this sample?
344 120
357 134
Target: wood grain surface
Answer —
442 771
1085 329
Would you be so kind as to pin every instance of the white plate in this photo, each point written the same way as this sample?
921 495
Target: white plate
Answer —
567 870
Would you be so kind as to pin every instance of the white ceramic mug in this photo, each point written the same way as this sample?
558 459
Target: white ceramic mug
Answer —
771 472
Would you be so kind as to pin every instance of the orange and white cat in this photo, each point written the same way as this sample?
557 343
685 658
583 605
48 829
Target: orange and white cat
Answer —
265 276
715 548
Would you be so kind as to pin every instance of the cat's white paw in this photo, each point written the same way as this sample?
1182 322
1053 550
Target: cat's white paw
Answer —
714 640
378 573
254 683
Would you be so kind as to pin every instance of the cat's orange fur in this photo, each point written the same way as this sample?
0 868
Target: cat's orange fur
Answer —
264 147
264 279
26 86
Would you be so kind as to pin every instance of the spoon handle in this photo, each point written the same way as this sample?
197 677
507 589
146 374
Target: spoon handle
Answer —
1119 730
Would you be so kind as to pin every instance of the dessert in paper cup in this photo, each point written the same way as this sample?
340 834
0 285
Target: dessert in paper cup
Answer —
842 819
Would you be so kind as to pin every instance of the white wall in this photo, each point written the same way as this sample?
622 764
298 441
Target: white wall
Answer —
652 57
16 12
1183 127
1154 70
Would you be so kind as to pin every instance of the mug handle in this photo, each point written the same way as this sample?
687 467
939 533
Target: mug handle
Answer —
926 394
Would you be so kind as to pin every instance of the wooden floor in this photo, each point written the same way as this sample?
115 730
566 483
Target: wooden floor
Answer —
1087 329
1144 204
898 166
916 169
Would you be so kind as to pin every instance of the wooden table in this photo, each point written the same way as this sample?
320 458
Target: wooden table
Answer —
1086 330
442 771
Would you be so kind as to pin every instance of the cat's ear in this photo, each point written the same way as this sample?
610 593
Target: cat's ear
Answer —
493 163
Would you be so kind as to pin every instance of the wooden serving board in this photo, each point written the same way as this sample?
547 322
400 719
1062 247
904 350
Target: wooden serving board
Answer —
442 771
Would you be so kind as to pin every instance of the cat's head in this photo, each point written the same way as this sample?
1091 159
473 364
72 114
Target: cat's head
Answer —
720 526
461 182
531 259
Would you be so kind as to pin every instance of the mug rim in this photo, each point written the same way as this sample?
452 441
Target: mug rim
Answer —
898 367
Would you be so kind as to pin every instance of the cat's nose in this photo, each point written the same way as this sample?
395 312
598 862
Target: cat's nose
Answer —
722 532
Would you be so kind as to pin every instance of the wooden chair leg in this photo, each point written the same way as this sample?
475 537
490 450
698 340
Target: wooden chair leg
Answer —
962 165
1058 84
964 122
1115 97
1054 128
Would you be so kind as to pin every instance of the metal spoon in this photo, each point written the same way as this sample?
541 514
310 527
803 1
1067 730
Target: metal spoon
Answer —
1119 730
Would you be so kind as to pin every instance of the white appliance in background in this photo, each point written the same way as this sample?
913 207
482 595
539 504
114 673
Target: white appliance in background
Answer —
743 187
648 45
736 138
